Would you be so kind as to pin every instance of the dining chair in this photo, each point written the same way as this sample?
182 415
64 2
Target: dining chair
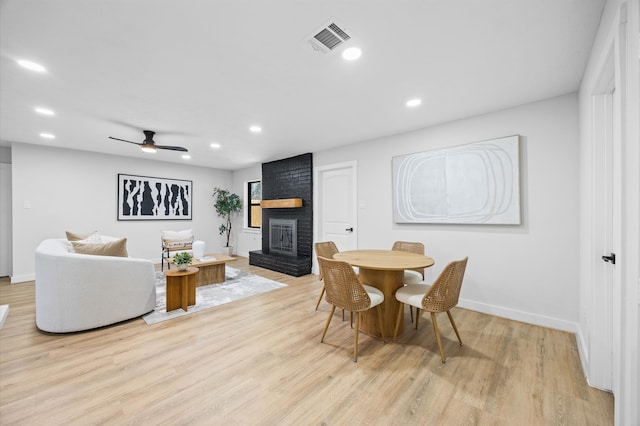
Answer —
344 290
411 276
441 296
324 249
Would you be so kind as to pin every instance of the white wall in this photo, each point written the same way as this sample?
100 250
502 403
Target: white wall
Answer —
77 191
246 239
527 272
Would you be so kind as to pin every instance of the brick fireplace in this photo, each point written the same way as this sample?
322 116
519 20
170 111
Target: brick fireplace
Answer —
285 224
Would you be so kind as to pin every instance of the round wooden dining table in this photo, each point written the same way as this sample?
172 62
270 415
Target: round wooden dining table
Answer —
384 270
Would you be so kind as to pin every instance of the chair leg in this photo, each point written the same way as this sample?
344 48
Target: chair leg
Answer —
435 329
411 312
417 317
380 324
395 332
355 338
454 327
320 298
333 308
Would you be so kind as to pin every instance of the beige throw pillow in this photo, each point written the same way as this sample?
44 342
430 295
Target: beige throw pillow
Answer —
113 248
74 236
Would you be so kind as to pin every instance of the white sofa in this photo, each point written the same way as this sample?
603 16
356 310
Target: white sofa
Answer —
77 292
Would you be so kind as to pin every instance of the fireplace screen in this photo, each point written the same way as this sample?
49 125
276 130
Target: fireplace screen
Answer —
283 236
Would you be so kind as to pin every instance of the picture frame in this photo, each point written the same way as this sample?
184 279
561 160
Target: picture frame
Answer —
154 198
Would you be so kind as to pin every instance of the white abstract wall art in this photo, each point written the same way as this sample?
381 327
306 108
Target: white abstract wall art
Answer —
473 183
150 198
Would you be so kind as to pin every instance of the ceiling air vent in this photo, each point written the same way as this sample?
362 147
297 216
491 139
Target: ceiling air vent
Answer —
329 37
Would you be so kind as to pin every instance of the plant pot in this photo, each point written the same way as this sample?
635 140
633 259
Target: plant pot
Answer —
183 266
227 250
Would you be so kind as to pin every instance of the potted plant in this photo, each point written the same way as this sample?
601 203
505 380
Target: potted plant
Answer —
182 260
226 204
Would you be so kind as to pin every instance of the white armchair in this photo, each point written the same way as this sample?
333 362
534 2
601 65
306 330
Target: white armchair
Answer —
175 241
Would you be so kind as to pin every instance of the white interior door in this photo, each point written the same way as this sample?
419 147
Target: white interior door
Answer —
336 205
602 331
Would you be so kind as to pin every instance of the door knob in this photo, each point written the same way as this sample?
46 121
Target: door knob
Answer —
349 229
611 258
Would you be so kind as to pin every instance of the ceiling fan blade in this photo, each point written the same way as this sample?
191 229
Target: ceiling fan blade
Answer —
172 148
122 140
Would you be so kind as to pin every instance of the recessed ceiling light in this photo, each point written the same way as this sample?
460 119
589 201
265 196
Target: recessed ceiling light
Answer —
414 103
255 129
44 111
351 54
31 66
215 145
47 135
186 157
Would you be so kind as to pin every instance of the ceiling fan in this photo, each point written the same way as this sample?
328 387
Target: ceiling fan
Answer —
149 145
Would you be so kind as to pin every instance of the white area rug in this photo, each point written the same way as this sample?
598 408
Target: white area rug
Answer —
238 285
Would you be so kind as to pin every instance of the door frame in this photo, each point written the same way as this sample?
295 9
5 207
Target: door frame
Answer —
6 245
616 55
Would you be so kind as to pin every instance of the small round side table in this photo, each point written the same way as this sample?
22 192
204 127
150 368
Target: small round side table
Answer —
181 288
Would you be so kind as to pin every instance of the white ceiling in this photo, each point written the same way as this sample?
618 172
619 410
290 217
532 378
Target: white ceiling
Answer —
202 71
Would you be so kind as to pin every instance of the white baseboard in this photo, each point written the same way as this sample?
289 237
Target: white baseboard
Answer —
527 317
22 278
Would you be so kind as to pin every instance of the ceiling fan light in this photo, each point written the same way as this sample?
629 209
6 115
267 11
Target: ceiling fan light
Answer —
150 149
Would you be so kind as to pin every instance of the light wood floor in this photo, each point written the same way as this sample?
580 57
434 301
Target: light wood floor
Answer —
259 361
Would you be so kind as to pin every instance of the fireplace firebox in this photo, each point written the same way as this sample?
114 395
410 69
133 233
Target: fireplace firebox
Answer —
283 236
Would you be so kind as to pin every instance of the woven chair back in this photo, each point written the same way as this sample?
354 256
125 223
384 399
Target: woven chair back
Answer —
411 247
344 289
325 249
445 290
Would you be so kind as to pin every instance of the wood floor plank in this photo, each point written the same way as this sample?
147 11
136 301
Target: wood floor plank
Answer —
259 361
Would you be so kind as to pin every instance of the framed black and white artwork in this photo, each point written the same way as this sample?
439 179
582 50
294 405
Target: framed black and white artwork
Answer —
476 183
152 198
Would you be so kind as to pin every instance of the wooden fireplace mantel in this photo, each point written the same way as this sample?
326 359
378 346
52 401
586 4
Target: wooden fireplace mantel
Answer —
284 203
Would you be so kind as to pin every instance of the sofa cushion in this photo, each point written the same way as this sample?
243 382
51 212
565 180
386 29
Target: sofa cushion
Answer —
187 234
112 248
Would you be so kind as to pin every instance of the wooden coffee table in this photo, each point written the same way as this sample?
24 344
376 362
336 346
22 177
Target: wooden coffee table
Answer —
212 268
